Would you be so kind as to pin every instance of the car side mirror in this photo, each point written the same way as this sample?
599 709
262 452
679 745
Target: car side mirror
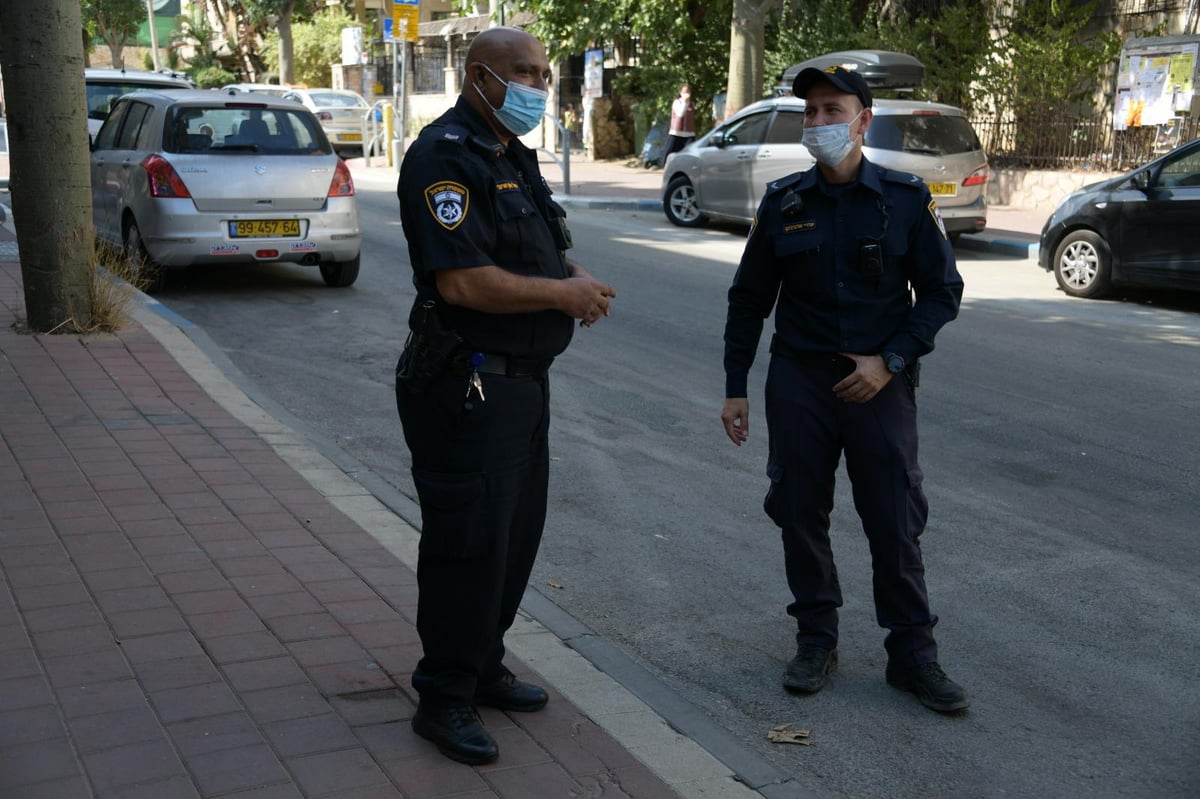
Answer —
1140 180
717 139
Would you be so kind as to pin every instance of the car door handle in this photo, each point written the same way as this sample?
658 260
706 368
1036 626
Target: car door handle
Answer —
764 154
744 156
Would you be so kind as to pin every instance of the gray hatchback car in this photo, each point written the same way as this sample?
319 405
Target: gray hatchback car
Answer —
195 177
724 174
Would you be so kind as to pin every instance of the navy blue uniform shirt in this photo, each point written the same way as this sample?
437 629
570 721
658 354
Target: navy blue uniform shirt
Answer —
467 201
804 259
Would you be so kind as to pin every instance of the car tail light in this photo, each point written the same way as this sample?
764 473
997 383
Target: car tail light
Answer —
324 115
266 253
978 177
164 180
926 112
342 184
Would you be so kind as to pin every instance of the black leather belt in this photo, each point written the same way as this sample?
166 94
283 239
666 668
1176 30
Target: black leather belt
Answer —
493 364
826 360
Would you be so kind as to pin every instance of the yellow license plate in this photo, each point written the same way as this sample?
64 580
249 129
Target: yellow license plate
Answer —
349 137
265 228
943 189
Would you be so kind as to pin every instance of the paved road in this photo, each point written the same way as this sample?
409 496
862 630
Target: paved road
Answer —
1059 448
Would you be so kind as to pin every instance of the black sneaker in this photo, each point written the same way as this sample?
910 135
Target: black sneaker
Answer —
931 685
809 670
457 732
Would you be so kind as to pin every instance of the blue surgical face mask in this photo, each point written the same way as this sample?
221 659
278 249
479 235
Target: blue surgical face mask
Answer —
523 106
830 144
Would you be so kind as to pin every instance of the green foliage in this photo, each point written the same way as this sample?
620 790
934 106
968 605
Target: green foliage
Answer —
316 45
212 77
196 31
115 22
679 41
1048 61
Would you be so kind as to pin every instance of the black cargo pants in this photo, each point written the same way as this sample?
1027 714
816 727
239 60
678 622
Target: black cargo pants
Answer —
481 476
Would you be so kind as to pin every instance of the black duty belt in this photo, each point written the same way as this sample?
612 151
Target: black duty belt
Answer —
494 364
825 360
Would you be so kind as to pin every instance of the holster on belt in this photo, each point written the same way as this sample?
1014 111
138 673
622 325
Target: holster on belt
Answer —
429 349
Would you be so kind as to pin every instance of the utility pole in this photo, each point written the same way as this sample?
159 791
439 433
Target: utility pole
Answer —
153 35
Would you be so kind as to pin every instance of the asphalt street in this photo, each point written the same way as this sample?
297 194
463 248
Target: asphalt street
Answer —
1058 447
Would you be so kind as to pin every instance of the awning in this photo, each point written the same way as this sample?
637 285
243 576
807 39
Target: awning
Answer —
465 26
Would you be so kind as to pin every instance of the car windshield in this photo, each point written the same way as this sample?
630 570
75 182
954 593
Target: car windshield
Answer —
922 134
271 131
101 95
330 99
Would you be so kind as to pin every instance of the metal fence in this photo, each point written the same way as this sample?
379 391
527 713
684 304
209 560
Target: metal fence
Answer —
1063 143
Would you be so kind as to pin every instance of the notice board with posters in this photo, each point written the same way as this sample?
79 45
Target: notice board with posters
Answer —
1156 80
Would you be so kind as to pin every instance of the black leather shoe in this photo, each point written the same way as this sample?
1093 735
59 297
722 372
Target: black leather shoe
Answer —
457 732
931 685
810 669
509 693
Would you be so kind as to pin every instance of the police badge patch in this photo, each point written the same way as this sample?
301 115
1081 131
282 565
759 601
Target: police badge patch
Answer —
447 202
937 218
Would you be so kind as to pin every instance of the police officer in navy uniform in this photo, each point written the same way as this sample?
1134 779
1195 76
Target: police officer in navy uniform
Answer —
496 300
839 252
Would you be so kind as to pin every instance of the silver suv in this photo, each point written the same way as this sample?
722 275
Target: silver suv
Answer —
724 174
104 86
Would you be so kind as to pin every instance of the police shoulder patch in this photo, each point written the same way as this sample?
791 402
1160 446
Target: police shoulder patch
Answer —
448 202
937 218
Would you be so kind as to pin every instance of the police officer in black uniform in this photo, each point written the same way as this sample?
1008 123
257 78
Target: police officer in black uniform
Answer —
496 300
844 247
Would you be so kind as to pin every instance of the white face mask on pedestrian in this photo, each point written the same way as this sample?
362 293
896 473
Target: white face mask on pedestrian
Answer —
830 144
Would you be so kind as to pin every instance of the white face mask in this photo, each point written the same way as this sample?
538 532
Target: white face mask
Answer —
830 144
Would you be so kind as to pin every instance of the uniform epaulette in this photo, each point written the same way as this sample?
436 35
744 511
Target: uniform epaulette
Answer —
903 178
785 182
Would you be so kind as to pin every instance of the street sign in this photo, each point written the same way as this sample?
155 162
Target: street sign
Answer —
406 15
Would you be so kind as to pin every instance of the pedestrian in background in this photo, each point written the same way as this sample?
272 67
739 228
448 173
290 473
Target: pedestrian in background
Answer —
837 252
496 296
683 122
570 119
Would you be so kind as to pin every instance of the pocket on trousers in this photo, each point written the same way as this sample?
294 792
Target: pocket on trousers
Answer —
453 521
775 503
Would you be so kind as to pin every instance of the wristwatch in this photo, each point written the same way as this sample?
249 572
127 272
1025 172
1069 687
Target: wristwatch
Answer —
895 363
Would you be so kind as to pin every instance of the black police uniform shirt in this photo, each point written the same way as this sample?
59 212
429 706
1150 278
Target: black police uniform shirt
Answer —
468 201
806 249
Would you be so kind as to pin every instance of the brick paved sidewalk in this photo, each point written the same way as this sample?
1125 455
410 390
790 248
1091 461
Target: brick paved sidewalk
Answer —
182 614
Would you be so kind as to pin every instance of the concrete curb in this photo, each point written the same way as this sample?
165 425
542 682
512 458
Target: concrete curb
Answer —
983 242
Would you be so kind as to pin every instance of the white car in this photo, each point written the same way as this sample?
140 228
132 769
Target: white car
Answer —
105 86
340 113
183 178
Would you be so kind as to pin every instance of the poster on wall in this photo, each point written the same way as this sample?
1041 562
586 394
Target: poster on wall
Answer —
593 73
1156 80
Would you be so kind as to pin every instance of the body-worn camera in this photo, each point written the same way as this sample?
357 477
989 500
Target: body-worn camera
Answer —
870 258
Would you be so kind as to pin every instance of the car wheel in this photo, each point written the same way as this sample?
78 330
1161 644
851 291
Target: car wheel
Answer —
340 274
679 204
1083 264
147 275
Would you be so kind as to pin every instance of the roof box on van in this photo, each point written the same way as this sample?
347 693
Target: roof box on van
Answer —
881 69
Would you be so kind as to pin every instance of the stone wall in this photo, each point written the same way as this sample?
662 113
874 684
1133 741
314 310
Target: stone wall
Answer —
612 127
1037 188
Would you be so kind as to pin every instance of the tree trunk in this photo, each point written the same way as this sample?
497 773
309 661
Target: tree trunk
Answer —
747 40
287 69
41 57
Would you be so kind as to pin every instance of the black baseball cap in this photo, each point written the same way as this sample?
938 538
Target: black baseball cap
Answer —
842 79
